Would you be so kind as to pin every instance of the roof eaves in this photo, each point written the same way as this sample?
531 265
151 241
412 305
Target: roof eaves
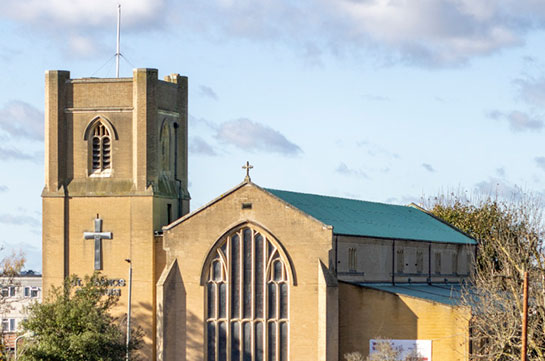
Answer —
420 240
414 205
393 292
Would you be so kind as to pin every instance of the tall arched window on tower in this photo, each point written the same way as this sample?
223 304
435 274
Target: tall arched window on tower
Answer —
165 147
101 149
247 299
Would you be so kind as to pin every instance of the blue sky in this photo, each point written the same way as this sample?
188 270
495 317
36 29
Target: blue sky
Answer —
382 100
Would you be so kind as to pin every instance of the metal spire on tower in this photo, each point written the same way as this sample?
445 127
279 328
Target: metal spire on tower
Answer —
118 53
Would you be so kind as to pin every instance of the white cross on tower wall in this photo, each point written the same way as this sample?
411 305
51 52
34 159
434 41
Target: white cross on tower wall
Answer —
98 236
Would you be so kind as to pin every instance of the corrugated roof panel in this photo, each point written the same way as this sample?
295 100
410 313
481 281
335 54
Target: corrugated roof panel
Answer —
449 294
360 218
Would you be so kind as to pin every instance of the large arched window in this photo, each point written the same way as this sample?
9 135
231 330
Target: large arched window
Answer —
247 299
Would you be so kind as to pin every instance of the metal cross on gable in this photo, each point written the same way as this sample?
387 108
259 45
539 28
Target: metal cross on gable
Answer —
247 167
98 236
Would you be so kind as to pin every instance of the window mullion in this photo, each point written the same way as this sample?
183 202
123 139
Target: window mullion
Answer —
228 296
102 152
252 293
265 300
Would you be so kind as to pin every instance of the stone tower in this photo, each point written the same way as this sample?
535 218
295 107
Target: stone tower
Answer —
115 174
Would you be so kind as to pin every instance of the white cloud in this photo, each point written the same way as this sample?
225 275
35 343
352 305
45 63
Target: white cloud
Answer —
436 31
428 167
208 92
342 168
197 145
540 161
82 46
428 32
201 123
242 133
497 187
3 188
376 150
19 220
424 32
532 90
77 14
252 136
81 24
21 120
16 154
518 121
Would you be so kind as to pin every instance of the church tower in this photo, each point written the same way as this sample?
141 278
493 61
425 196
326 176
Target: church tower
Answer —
115 174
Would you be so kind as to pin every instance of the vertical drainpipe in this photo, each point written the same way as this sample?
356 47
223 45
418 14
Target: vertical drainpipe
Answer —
336 249
393 261
429 263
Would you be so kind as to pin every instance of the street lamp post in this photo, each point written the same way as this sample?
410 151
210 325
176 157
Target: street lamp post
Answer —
28 334
128 260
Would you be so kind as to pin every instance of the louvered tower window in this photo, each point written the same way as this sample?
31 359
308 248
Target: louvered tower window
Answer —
101 148
247 300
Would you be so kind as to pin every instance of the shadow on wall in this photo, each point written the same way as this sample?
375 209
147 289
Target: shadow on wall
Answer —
179 331
138 319
366 314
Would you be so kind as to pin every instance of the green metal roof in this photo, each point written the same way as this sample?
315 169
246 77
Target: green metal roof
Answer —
449 294
359 218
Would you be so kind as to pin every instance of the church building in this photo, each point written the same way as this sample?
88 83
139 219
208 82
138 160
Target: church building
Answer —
256 274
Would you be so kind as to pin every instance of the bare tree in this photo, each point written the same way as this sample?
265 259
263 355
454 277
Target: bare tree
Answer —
384 351
511 241
353 356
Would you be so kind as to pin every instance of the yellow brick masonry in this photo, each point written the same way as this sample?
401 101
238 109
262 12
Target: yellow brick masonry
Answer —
370 314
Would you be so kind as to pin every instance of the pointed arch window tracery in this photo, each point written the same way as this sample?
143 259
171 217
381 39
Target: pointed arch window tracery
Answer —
101 149
247 300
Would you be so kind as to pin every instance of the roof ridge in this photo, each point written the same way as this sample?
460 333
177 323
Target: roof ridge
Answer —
336 197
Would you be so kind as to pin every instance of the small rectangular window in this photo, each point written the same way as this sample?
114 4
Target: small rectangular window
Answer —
12 324
169 213
400 261
34 292
5 325
352 260
27 291
5 292
11 291
438 262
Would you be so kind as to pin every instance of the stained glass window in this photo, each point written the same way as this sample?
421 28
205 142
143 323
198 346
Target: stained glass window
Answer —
247 300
